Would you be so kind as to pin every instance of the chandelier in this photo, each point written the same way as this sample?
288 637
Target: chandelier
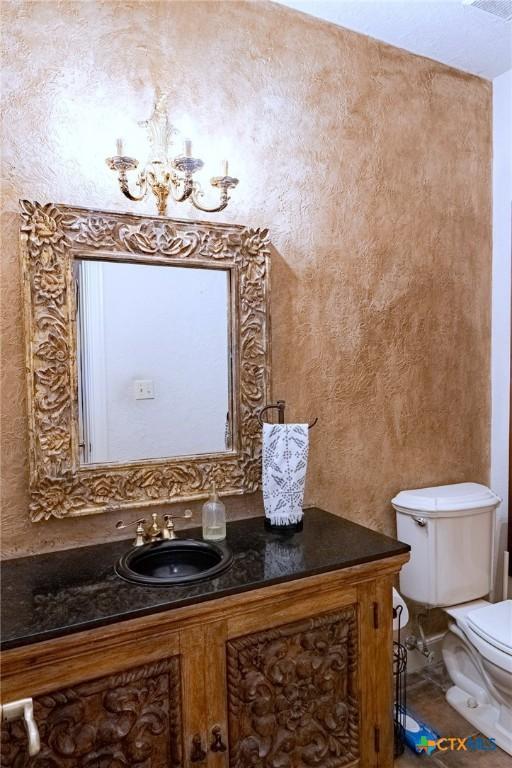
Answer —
165 176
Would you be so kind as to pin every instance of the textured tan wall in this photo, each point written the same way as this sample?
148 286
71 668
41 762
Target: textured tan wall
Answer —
370 166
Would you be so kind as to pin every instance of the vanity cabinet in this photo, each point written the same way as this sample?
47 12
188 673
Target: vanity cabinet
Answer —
293 675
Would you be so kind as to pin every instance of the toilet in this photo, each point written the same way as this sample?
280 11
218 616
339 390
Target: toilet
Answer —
450 529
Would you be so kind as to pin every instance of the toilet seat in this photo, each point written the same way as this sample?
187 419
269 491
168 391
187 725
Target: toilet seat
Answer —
496 656
487 619
493 623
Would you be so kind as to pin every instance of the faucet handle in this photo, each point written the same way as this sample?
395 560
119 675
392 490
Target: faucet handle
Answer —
139 531
168 531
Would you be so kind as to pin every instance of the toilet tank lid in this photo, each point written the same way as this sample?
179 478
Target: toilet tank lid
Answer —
446 498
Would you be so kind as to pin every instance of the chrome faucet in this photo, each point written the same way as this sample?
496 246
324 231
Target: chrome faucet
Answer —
155 531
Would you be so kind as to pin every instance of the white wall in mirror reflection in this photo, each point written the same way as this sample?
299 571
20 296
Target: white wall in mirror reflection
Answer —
165 325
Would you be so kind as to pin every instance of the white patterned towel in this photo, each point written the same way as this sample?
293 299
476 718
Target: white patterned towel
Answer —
285 460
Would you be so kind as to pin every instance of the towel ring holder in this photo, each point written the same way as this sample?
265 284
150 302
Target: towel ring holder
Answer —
279 405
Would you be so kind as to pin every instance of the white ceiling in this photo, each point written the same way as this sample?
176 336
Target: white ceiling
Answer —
449 31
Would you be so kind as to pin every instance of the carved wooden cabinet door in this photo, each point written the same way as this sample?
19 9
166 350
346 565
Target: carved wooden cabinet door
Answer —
129 719
293 698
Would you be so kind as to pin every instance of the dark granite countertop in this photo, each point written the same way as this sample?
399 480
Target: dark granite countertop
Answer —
51 595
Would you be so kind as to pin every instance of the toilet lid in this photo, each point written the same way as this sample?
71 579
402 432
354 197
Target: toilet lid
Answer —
494 624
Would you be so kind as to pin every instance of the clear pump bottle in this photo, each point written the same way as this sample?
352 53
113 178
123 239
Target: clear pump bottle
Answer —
214 518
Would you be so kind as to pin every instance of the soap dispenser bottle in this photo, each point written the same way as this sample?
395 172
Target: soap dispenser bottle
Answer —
214 518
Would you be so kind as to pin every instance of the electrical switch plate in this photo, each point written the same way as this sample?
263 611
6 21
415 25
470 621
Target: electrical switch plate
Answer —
144 389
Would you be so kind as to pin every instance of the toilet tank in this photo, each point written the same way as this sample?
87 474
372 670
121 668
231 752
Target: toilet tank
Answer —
450 529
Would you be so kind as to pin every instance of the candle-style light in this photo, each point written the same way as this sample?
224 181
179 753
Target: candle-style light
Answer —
165 176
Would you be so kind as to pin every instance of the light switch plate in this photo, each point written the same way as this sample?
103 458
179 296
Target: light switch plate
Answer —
144 389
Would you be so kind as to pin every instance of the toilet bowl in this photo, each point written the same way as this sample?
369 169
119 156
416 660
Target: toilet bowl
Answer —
477 651
451 533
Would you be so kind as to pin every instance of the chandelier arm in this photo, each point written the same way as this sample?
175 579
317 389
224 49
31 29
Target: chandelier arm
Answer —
141 183
197 192
186 184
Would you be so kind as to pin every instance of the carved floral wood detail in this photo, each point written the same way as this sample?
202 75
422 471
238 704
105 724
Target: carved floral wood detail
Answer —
292 695
50 237
127 720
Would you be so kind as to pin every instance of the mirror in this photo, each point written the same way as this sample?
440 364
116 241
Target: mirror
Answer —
147 356
153 360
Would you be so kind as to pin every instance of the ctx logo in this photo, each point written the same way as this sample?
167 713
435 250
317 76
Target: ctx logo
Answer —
455 744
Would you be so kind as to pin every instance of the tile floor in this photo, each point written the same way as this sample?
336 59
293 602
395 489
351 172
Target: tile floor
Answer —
425 696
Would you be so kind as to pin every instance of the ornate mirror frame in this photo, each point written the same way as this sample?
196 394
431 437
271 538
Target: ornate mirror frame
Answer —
51 237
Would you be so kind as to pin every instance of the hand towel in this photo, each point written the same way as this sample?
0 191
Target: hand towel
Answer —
285 460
